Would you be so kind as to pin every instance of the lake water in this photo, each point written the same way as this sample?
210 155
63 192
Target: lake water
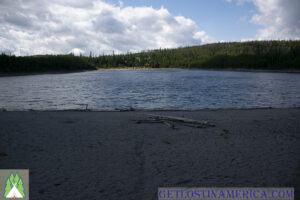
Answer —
153 89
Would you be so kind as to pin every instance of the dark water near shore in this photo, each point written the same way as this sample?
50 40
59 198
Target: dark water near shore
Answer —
175 89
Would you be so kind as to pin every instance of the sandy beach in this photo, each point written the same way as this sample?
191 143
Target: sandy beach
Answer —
107 155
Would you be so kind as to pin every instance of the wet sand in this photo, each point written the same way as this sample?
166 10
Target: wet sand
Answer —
106 155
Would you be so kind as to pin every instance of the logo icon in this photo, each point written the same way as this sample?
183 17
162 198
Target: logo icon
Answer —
14 187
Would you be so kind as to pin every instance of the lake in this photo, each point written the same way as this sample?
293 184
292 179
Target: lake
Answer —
150 89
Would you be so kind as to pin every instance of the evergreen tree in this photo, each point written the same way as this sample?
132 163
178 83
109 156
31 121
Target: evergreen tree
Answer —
16 179
21 188
12 180
8 187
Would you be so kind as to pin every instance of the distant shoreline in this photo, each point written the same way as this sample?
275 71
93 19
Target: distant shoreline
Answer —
204 69
147 68
254 56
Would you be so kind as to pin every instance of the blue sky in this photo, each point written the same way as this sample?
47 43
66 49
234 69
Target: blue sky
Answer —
220 19
31 27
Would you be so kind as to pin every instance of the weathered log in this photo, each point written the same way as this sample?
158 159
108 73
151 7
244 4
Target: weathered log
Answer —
181 119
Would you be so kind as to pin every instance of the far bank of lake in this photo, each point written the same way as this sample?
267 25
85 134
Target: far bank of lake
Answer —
205 69
149 68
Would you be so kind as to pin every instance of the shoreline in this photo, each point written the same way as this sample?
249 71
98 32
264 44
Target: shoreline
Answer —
146 69
151 110
203 69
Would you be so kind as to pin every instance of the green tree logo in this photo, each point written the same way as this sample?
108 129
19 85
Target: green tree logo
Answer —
14 187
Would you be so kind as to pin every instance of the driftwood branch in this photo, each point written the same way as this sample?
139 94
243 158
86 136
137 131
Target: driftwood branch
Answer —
169 120
181 119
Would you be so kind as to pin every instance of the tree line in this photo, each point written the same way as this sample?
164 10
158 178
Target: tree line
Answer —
247 55
43 63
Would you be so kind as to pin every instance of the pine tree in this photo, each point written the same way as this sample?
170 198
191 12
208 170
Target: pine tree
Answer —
16 179
21 188
11 178
8 187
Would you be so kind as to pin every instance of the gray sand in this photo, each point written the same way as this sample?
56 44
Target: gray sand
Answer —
105 155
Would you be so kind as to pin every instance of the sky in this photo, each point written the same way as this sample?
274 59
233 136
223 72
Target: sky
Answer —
34 27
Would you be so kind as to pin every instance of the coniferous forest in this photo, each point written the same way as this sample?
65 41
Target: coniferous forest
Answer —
270 55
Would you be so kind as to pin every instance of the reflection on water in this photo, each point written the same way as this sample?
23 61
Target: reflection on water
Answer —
175 89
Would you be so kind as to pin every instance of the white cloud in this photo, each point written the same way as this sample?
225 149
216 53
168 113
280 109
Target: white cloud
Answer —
202 36
77 52
58 27
280 19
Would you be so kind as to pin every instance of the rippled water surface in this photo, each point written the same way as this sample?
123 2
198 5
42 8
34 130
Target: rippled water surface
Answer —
175 89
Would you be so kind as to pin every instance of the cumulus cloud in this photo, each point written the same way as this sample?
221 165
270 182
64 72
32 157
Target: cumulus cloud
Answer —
280 19
76 52
56 27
